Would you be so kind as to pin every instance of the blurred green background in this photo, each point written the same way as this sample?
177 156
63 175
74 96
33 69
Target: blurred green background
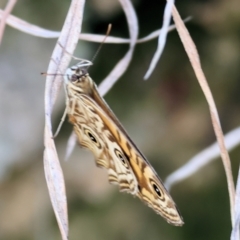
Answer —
167 117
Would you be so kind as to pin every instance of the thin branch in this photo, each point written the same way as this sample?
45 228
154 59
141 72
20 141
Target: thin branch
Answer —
235 231
5 14
53 171
162 38
122 65
72 140
232 139
34 30
192 53
158 32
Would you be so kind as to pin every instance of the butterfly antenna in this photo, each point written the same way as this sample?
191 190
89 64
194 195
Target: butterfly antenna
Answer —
52 74
104 39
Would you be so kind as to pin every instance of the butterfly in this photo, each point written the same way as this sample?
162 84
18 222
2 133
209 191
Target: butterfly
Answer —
98 129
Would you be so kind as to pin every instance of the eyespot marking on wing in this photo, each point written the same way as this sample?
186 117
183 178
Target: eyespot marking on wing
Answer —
121 157
157 189
92 137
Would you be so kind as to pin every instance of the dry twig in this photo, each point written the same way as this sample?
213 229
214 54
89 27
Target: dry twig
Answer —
191 51
53 171
232 139
4 16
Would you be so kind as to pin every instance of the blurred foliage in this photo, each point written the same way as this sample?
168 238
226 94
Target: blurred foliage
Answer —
167 116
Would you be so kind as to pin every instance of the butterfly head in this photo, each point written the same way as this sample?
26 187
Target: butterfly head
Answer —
78 78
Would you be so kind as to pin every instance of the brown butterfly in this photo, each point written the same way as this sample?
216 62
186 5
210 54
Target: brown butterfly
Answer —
99 130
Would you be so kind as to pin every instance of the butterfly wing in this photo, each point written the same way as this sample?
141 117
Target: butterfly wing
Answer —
100 131
93 134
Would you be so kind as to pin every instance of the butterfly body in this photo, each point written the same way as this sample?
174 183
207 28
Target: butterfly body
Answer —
98 129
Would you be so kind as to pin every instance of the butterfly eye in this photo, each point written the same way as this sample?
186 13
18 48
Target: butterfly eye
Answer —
74 78
156 188
92 137
121 157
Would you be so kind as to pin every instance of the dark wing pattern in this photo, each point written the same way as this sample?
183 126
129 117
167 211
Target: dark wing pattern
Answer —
99 130
94 135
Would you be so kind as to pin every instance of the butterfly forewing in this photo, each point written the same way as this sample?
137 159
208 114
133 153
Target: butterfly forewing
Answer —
98 129
93 134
